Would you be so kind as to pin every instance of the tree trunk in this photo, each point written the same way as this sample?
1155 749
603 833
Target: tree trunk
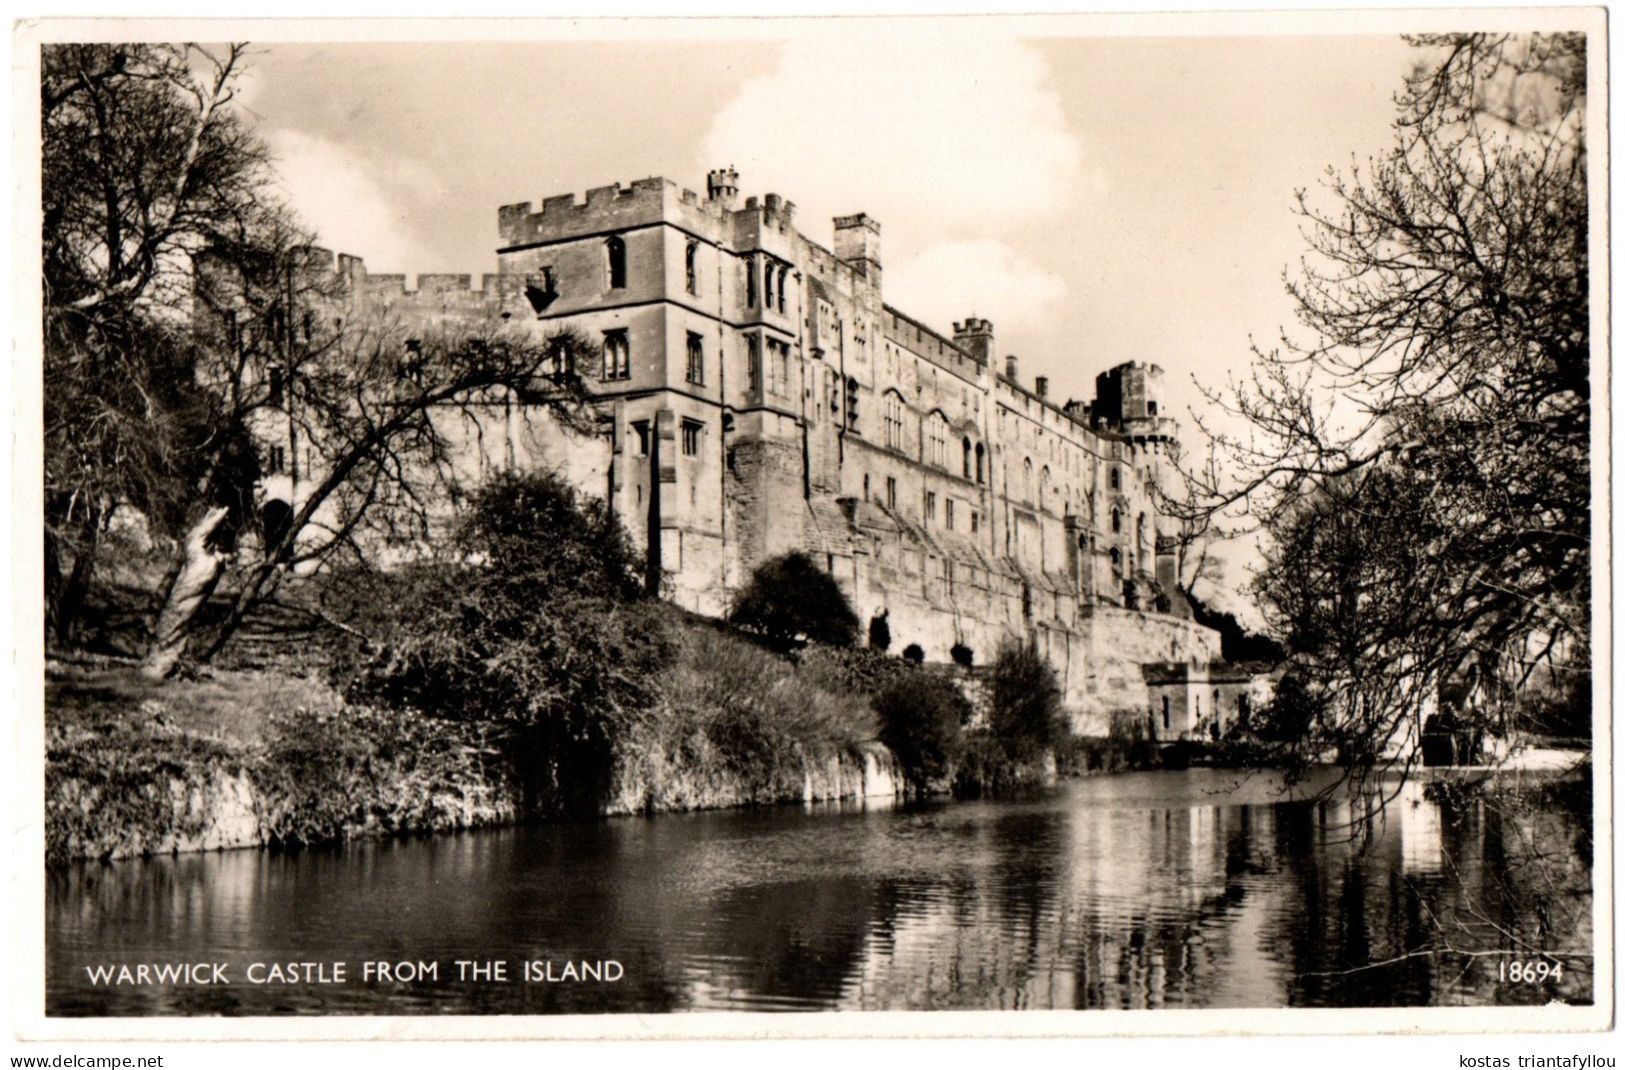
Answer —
70 593
201 567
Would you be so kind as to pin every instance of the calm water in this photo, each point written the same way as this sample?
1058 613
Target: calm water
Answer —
1193 889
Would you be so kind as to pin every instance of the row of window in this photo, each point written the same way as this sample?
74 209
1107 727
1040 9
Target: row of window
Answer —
691 430
764 275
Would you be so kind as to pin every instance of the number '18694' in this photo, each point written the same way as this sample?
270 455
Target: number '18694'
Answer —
1519 972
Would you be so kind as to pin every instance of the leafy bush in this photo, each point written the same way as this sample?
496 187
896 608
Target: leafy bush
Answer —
538 624
329 774
1025 712
790 600
730 710
923 720
962 654
915 653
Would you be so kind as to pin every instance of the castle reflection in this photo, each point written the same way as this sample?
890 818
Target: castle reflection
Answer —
1193 889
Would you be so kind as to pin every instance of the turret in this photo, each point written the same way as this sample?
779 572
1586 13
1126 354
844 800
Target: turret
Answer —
975 336
722 187
857 241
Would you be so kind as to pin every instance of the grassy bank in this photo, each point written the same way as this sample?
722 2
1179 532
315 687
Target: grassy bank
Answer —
249 758
240 758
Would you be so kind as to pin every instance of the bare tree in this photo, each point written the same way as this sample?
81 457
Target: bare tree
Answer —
143 163
1420 453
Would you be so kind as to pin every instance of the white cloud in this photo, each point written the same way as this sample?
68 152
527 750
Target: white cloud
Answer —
938 128
952 280
351 207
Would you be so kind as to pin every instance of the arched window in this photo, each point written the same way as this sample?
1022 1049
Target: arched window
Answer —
936 440
691 265
1027 479
767 283
615 263
978 462
1117 522
894 420
783 271
1116 478
1043 487
1117 559
966 445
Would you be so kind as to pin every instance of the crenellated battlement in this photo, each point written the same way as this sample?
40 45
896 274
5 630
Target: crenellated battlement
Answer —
646 200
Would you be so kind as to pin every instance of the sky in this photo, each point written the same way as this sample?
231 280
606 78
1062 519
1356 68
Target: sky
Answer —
1100 199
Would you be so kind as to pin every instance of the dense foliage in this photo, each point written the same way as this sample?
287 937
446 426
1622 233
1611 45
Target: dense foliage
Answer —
1024 703
537 624
922 719
790 600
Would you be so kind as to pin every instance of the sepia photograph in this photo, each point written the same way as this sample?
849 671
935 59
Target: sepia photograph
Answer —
936 516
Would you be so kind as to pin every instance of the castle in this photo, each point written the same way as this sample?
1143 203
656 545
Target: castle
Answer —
759 396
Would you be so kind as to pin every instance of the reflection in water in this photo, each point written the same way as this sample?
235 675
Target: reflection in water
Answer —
1193 889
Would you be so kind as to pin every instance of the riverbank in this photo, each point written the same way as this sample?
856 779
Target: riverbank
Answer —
266 759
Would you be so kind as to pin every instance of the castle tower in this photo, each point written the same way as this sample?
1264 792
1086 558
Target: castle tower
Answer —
722 187
857 241
975 336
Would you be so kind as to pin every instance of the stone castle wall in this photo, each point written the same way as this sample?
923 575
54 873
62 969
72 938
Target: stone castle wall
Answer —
793 409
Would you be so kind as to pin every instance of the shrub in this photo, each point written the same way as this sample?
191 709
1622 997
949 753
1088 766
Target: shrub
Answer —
880 631
1025 711
913 652
539 624
790 600
751 714
922 720
962 654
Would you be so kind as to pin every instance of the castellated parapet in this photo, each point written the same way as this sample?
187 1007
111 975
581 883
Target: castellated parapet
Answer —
759 396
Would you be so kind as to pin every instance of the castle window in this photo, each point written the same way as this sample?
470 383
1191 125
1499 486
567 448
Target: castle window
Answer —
753 364
696 359
691 267
936 439
1117 524
691 437
894 420
783 271
274 373
750 283
778 366
891 493
641 428
967 458
615 264
767 283
979 462
617 355
948 514
1116 479
975 521
1151 407
1117 559
930 506
1165 718
866 486
276 460
1027 479
852 404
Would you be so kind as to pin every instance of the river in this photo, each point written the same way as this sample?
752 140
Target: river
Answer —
1202 888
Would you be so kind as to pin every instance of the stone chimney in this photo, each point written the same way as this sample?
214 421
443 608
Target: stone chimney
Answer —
857 242
722 186
975 337
1011 368
1042 385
